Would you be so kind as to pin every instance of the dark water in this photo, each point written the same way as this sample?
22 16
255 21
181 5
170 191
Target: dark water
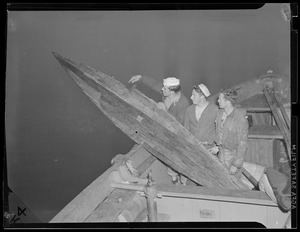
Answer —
57 141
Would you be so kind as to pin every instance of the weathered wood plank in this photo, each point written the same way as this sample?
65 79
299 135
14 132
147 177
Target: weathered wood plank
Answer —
279 120
134 209
265 132
283 112
120 199
109 210
142 216
85 202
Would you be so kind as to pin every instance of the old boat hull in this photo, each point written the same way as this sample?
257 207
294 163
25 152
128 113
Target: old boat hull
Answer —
160 133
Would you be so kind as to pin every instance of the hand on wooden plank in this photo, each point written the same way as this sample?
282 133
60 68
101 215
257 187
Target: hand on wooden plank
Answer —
233 170
134 79
162 106
214 150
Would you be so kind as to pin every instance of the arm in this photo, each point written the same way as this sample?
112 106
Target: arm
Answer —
242 137
182 112
187 120
215 149
148 81
152 83
217 125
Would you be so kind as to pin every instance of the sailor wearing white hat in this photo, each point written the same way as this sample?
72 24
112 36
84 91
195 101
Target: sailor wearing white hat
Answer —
204 90
200 117
173 101
199 95
171 82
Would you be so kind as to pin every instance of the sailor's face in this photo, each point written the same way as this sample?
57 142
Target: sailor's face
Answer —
196 97
221 100
165 91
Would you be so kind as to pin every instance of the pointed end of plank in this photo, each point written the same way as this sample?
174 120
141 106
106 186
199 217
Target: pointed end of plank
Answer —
58 57
65 62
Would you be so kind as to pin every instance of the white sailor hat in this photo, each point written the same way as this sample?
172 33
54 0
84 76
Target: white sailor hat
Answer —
204 90
171 81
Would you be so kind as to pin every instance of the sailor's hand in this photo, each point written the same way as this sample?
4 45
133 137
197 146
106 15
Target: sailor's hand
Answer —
135 78
233 170
214 150
162 106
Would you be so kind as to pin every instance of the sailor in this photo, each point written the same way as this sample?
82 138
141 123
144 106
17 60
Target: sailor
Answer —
200 117
231 132
173 100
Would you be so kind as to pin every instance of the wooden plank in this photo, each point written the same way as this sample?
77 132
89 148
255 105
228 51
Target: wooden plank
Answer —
283 112
258 110
142 216
265 132
283 128
239 195
141 119
109 210
134 209
120 199
249 196
146 164
85 202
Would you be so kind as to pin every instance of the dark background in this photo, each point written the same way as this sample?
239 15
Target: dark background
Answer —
57 141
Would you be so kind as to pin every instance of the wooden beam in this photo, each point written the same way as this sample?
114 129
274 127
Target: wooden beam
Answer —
258 110
120 198
282 126
244 196
248 196
142 216
110 208
283 112
86 202
264 132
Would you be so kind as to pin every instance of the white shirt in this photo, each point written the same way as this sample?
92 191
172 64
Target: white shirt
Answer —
199 110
